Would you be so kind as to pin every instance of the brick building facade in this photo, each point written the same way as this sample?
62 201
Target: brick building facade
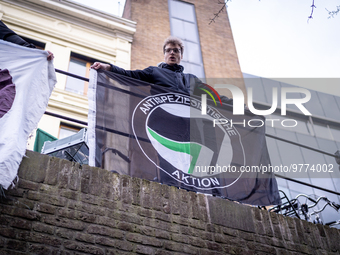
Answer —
217 45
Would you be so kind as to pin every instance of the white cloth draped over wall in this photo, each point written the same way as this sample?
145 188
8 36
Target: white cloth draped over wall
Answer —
24 93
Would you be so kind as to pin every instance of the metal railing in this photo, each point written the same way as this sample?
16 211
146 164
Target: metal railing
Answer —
268 135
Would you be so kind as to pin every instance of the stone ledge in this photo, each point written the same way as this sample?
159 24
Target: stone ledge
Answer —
88 209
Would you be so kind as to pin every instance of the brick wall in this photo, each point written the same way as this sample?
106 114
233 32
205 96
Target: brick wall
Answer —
153 27
59 207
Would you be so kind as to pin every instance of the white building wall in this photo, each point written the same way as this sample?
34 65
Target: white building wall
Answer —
65 27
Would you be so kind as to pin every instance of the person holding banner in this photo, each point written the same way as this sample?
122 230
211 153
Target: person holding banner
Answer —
155 120
9 35
168 73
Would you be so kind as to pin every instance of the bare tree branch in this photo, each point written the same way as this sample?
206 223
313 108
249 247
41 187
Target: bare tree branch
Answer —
220 11
311 14
332 13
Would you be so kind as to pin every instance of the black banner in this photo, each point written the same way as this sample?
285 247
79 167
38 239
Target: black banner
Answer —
150 132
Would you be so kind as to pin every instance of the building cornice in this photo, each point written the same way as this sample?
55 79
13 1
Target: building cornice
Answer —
80 15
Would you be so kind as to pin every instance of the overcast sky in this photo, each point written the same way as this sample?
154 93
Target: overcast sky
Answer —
274 40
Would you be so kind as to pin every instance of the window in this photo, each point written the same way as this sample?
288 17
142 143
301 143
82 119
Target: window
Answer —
184 26
313 127
37 44
302 125
79 65
81 68
67 130
322 131
335 133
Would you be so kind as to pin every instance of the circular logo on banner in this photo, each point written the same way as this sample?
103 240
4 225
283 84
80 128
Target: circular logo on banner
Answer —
190 148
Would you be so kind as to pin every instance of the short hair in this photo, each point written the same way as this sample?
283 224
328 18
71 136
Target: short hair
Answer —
173 40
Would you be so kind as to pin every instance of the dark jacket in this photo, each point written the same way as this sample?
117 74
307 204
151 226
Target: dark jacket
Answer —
9 35
168 76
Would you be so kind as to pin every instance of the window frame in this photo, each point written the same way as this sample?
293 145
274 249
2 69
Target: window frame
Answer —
184 61
88 62
69 127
